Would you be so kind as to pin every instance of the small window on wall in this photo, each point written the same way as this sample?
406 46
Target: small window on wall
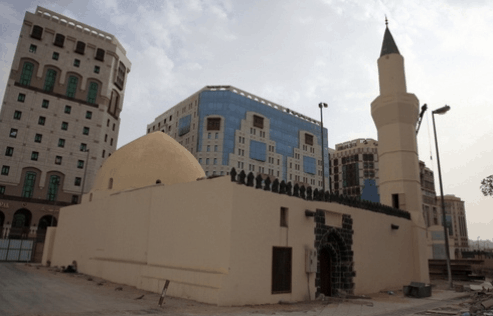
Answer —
2 189
284 217
395 200
309 139
281 270
258 121
213 124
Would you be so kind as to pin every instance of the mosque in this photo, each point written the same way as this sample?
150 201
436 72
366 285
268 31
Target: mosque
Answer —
153 216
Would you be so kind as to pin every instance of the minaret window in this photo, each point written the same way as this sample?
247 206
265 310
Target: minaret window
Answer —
50 80
27 72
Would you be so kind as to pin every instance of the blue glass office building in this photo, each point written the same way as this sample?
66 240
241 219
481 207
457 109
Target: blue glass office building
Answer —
225 127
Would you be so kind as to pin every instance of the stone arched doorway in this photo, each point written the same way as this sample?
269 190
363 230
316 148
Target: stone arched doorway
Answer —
335 257
21 223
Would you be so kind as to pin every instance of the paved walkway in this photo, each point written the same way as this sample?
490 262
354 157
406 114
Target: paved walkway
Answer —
37 291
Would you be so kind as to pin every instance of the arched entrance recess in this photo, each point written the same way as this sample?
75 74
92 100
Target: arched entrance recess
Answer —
335 257
21 223
45 222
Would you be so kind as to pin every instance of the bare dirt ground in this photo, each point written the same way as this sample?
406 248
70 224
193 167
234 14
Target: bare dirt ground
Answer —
28 289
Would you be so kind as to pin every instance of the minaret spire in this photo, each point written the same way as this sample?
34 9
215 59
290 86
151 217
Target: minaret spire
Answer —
388 45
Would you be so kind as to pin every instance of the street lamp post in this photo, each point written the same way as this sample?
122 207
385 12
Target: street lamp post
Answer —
85 173
442 110
323 105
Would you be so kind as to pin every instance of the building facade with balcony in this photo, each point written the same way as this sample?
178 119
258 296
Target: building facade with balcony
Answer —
225 127
59 119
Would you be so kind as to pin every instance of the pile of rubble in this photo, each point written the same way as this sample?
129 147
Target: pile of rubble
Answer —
481 300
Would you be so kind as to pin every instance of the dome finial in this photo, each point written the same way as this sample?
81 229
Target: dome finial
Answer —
386 21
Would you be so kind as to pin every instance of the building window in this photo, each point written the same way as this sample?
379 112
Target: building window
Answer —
32 48
216 135
64 126
61 142
111 142
184 125
5 170
213 124
27 73
284 217
72 86
120 78
17 115
76 62
9 151
103 154
215 147
93 93
258 121
80 47
215 161
207 161
68 109
113 126
100 54
395 201
85 130
77 181
37 32
2 189
83 147
50 80
34 155
37 138
309 139
21 97
53 188
13 132
80 164
75 199
208 148
96 69
55 56
29 181
281 270
59 40
88 115
45 104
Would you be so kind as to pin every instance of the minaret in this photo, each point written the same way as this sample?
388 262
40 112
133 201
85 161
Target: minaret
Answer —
395 113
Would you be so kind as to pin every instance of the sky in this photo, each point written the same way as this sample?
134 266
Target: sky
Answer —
300 53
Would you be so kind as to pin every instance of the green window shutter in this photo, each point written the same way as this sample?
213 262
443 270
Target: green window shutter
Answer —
72 86
27 72
50 80
93 93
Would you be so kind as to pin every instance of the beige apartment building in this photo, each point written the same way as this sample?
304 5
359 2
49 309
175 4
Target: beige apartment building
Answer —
59 119
456 216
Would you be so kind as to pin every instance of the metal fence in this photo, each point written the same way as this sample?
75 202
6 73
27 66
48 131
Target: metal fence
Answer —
17 249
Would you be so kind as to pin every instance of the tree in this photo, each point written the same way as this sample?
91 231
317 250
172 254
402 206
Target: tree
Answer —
487 186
